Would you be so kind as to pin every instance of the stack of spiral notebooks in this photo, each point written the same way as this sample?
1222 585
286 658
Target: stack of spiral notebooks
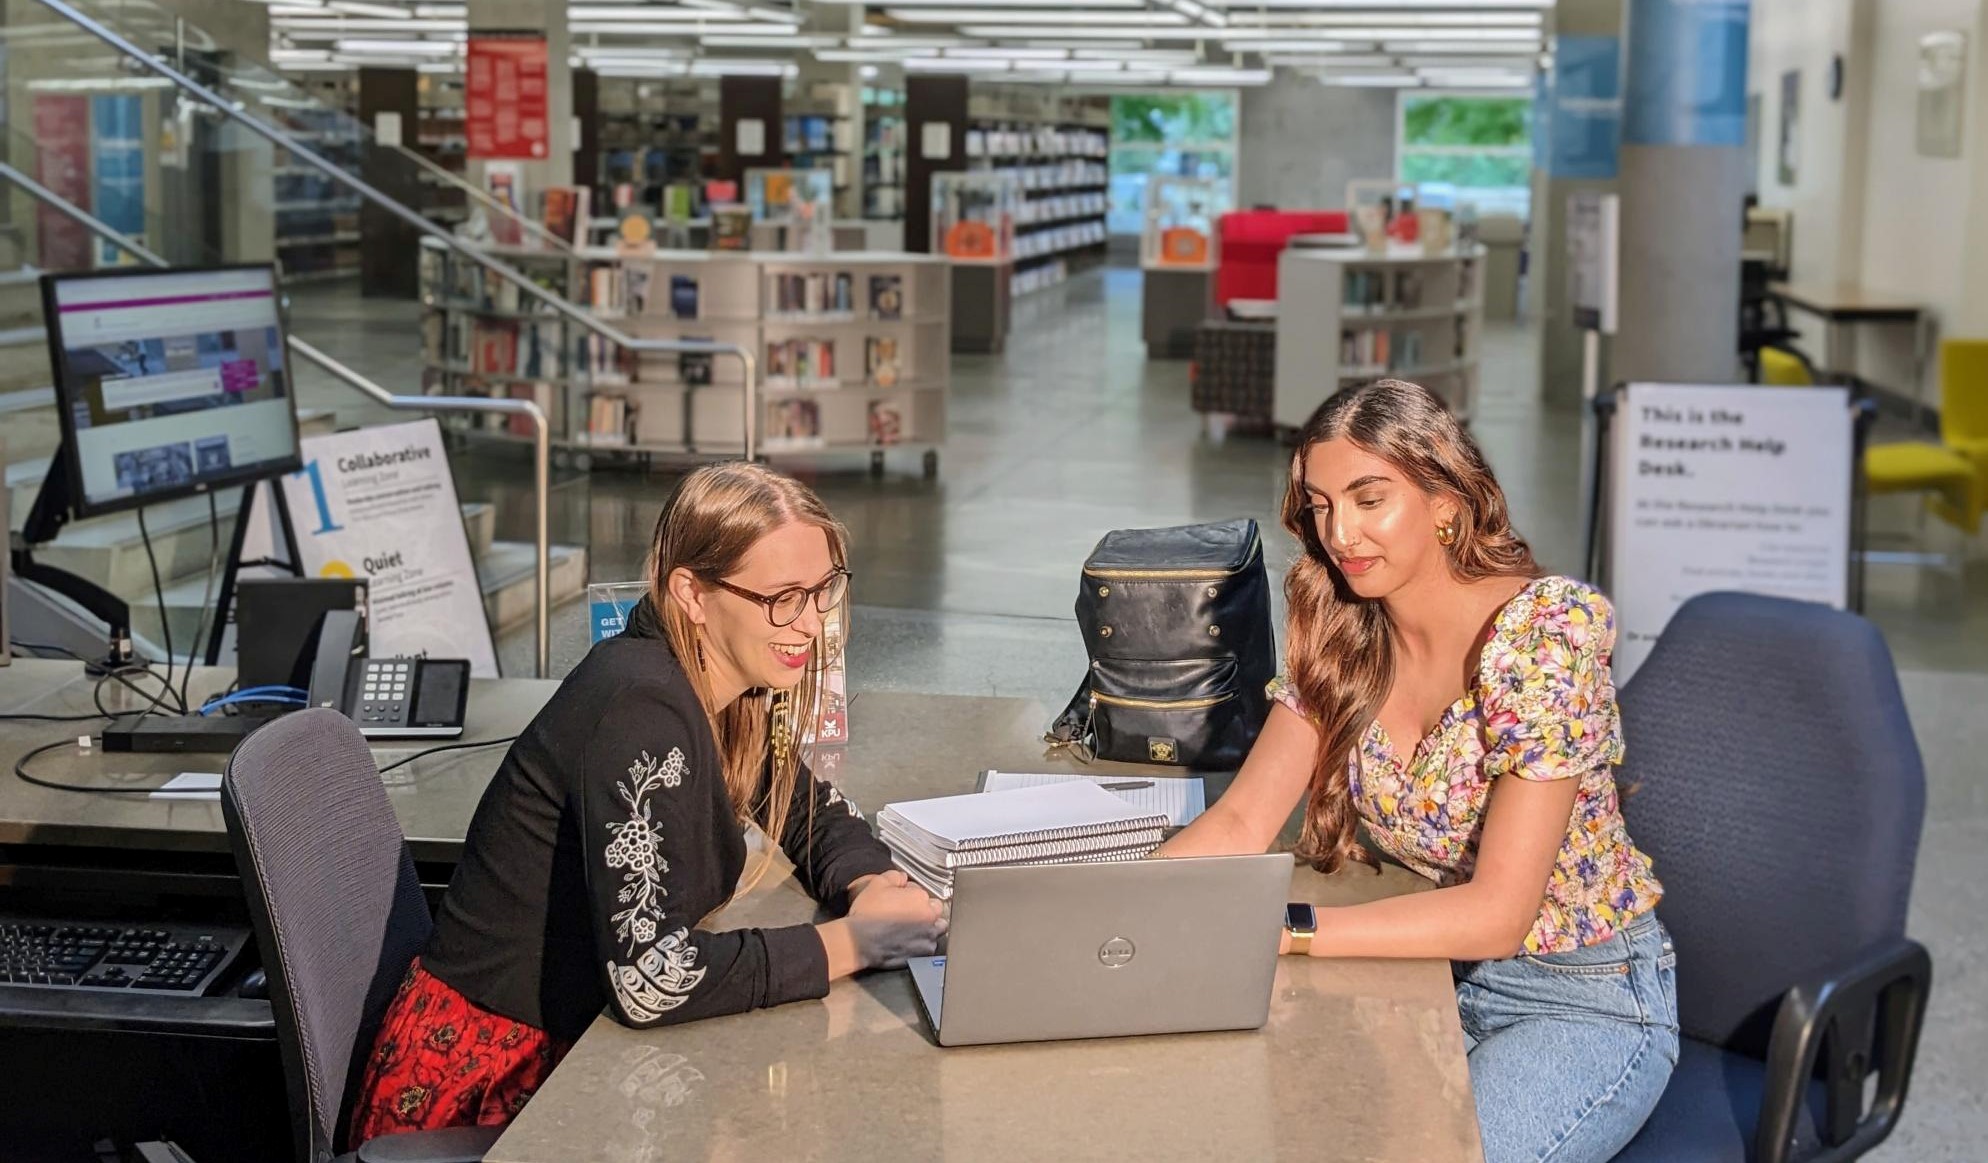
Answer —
1065 823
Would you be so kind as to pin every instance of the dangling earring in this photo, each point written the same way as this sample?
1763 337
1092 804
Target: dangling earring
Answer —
697 640
780 727
1446 532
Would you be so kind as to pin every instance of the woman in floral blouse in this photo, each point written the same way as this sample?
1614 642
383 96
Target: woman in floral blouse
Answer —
1452 700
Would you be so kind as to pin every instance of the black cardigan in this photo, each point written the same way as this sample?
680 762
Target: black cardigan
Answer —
605 836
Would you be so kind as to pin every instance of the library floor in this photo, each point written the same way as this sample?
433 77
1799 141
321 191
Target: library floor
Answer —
965 583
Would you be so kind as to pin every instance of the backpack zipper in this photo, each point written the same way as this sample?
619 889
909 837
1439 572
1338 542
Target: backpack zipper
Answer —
1176 574
1158 704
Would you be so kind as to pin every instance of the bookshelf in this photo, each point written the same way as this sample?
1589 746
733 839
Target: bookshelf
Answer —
656 132
1345 316
853 350
1059 155
884 173
317 217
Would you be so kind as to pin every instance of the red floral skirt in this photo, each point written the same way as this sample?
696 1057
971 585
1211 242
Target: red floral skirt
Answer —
441 1060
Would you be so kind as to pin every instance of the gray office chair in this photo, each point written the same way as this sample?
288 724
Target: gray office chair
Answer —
1773 777
338 917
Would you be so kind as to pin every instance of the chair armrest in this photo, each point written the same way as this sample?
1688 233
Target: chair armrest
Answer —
450 1145
1880 995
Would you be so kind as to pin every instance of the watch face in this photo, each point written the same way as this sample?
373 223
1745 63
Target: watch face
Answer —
1300 918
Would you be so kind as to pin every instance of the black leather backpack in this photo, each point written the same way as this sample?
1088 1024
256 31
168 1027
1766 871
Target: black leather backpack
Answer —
1177 625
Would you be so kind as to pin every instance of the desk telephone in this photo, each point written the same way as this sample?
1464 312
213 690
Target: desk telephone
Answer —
390 698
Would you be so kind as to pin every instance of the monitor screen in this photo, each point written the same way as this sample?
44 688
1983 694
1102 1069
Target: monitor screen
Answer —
169 383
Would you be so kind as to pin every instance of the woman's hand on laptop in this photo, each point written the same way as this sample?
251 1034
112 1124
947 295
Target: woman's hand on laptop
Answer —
890 920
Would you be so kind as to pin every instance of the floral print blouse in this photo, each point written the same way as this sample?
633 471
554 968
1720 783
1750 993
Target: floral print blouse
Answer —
1542 707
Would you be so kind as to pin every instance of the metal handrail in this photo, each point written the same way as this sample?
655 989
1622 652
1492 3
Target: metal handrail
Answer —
233 110
541 429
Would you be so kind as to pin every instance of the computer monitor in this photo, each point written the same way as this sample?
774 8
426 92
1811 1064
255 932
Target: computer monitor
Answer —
169 383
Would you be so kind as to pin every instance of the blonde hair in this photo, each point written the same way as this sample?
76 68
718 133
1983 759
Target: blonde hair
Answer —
715 517
1340 646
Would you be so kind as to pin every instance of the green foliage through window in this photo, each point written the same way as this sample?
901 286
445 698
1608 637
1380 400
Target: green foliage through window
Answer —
1173 118
1470 171
1488 121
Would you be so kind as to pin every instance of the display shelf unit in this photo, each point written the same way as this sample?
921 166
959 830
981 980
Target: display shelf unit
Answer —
1345 316
655 132
440 136
317 218
884 173
852 348
1058 157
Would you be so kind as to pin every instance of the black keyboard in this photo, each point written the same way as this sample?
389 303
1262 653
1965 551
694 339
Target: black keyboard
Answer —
173 958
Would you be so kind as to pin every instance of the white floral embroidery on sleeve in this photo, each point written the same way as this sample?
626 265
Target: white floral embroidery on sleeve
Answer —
835 797
637 848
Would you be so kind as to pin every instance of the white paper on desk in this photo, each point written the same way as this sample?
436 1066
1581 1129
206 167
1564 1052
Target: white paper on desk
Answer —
1179 798
190 785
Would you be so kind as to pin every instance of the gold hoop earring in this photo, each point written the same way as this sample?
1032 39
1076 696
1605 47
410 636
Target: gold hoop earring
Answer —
780 727
1446 533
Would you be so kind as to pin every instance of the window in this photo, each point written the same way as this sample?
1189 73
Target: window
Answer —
1475 149
1185 135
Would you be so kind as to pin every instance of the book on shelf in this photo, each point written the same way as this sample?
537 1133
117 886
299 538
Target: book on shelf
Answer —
636 280
542 350
793 423
495 350
1378 347
607 289
887 296
605 361
546 396
880 360
683 296
566 213
801 361
815 293
610 420
886 421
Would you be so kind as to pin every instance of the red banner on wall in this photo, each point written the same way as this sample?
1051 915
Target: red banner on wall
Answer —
505 97
62 163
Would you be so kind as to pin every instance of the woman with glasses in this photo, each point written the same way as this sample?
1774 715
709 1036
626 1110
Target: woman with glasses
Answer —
615 827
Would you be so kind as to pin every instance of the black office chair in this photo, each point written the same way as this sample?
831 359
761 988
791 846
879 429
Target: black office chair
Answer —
338 917
1773 777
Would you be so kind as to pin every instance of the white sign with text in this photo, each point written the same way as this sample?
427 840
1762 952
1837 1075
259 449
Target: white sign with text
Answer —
380 504
1717 487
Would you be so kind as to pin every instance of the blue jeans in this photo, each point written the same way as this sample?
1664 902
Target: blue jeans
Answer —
1569 1052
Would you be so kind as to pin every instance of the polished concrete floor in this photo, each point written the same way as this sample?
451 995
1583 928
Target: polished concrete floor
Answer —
965 583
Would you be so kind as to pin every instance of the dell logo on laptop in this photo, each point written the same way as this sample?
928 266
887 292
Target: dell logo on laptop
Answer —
1116 953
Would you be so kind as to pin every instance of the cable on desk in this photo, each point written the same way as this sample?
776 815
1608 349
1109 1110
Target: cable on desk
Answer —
156 704
21 773
165 621
446 747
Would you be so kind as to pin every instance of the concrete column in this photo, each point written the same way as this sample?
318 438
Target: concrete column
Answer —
1684 175
1579 123
546 18
1303 140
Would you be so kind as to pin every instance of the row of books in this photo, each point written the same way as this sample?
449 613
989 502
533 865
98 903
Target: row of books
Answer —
610 421
526 349
1061 206
1059 823
1060 238
1375 290
1372 347
812 362
461 282
795 423
1044 141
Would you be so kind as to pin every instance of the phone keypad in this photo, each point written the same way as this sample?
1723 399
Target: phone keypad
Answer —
384 692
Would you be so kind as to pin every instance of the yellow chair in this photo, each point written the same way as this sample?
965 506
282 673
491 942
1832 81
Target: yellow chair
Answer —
1954 471
1783 369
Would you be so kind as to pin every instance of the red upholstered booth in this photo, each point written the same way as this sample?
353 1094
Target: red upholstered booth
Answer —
1251 242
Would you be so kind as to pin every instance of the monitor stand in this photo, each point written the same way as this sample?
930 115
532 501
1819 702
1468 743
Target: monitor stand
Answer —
45 520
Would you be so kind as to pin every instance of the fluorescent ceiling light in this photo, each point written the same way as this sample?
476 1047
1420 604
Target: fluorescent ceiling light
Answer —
632 51
1324 60
337 27
718 67
855 56
444 67
290 56
741 38
1373 80
867 72
1218 75
306 8
1158 56
1395 5
385 11
1197 12
1128 77
441 11
1034 77
1436 24
953 65
654 12
1408 47
411 48
316 67
1462 62
1001 52
1294 43
638 28
1052 16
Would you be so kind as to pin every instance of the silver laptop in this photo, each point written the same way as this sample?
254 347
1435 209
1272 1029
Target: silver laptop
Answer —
1103 950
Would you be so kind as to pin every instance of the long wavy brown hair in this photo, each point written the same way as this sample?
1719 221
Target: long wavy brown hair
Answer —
714 518
1340 647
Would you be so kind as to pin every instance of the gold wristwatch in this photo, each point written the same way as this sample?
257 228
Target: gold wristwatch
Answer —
1301 922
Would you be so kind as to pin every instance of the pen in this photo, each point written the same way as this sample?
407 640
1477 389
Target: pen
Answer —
1129 785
